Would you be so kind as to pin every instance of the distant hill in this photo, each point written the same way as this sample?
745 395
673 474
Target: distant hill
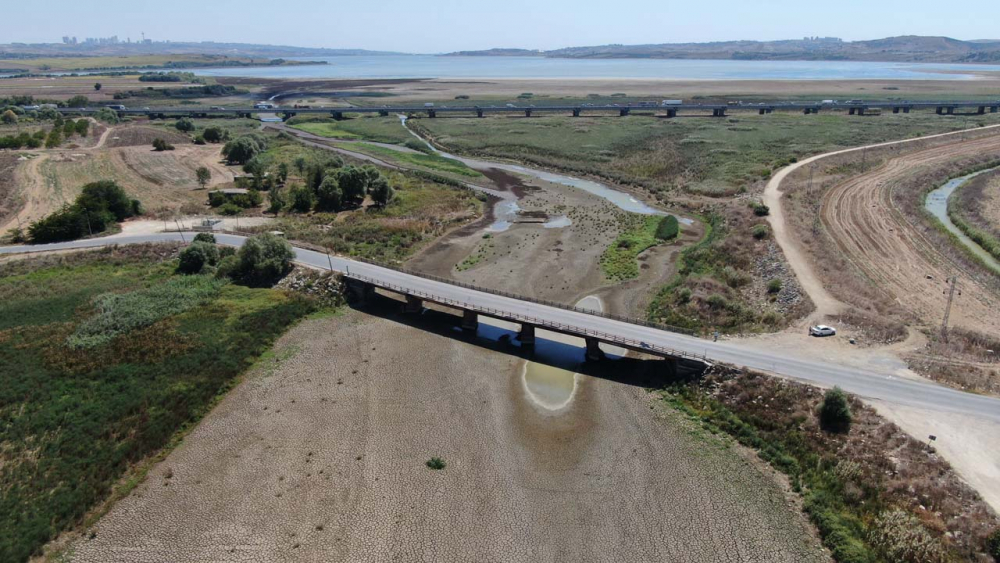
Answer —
12 50
908 48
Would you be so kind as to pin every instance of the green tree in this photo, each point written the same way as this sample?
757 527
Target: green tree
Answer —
106 115
264 258
184 124
196 256
205 237
353 183
993 544
78 102
203 175
282 172
835 411
9 117
54 139
107 195
329 196
258 167
82 127
97 87
212 134
300 165
276 200
381 192
303 199
161 145
242 149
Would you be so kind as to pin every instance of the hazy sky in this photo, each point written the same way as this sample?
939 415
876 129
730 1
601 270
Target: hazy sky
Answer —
449 25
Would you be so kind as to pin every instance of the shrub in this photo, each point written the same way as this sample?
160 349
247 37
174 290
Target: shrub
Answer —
760 231
228 267
244 148
835 412
436 463
668 228
213 134
264 259
303 199
184 124
230 208
329 196
196 256
774 286
199 140
993 544
106 115
381 192
900 536
760 210
119 313
98 205
205 237
161 145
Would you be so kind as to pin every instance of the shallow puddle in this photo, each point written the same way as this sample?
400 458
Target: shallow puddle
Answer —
549 387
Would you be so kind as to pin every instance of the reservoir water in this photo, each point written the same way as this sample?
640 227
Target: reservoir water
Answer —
937 204
432 66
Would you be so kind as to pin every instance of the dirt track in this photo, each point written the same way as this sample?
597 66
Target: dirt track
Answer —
863 216
319 456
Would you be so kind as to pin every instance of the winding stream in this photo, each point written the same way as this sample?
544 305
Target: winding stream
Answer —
506 213
937 204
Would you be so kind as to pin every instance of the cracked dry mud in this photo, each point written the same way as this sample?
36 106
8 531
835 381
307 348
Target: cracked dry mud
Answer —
319 455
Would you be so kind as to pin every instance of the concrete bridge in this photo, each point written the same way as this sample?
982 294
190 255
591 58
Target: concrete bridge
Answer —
535 316
942 107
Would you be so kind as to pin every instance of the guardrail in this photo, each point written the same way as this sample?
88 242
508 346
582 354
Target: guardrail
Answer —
554 304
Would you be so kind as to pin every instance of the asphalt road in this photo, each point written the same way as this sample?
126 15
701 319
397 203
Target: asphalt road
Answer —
864 383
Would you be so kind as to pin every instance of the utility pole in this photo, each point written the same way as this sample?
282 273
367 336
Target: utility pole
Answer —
953 282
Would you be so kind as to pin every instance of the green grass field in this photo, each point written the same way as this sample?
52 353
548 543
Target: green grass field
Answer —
432 162
700 154
379 129
73 419
619 260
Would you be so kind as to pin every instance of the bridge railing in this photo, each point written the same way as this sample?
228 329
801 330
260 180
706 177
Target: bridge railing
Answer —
491 291
514 316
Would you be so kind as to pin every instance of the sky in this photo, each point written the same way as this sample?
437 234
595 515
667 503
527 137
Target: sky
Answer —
452 25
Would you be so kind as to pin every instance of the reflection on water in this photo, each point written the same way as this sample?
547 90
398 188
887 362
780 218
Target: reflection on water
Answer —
549 387
937 204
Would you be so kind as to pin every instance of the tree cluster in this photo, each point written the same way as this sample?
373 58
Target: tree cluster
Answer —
331 187
99 205
261 261
244 148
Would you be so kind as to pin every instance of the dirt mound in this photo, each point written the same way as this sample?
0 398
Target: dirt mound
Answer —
134 135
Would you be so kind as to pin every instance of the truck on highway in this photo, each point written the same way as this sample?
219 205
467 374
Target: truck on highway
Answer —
263 105
117 107
671 102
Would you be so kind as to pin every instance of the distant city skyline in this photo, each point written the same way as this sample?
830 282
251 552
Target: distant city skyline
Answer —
417 27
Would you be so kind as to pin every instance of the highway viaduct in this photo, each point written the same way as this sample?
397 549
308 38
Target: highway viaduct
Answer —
941 107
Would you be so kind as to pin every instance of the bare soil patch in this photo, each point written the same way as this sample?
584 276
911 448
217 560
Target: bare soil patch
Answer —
320 456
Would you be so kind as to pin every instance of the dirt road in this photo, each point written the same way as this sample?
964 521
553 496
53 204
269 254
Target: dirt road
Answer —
320 459
826 304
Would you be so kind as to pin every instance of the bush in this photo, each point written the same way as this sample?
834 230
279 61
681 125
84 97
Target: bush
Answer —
436 463
230 208
161 145
668 228
213 134
774 286
835 412
759 209
185 125
196 256
760 231
199 140
244 148
205 237
99 205
993 544
264 259
228 267
303 199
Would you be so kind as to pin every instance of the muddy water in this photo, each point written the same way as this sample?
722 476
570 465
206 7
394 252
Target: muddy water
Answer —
937 204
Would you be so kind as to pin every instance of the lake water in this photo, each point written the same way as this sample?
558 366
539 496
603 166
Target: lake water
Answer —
431 66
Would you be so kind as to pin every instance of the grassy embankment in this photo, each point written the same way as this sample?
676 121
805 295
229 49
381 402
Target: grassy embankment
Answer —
966 210
85 394
383 130
699 164
875 494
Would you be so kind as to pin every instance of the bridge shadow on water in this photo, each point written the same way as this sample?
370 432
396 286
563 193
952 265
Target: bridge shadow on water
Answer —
646 372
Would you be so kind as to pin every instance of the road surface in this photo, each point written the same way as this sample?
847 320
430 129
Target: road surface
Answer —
864 383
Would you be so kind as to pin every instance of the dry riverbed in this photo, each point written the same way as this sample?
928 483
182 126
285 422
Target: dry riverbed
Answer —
320 456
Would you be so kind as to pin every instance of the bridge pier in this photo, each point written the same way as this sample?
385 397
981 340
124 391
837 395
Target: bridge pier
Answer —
576 112
895 109
671 366
951 110
413 304
338 115
760 111
285 116
362 292
527 113
594 352
719 112
383 113
993 109
431 113
906 109
623 112
527 335
807 111
671 113
850 111
479 113
470 321
982 110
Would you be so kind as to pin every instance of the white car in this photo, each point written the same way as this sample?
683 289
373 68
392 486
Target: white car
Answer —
822 330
